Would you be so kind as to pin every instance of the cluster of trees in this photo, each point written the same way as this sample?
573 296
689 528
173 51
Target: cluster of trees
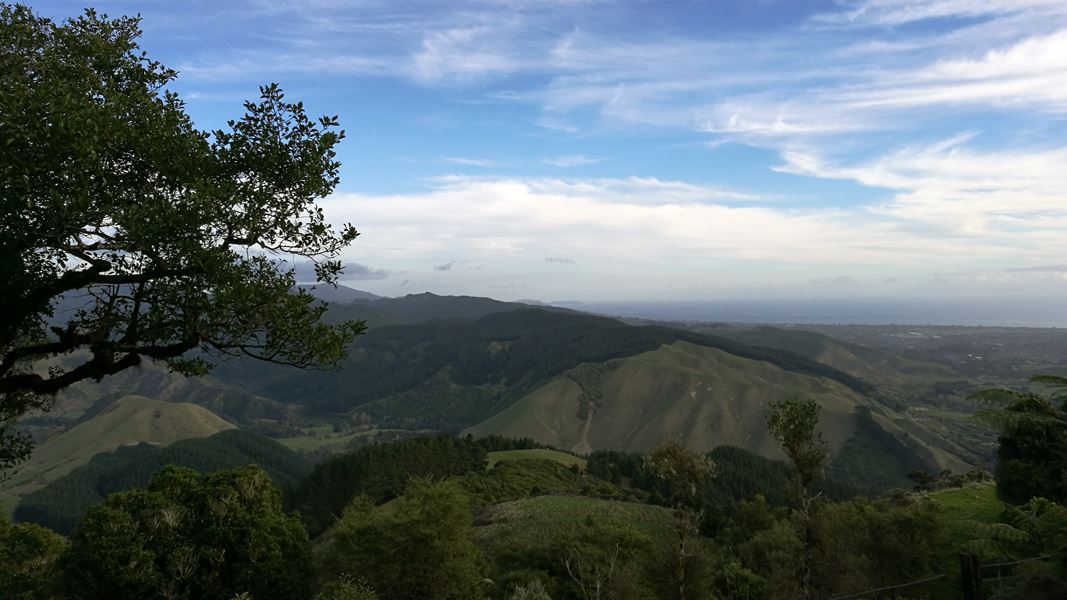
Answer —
403 527
424 518
381 473
738 475
186 535
1032 446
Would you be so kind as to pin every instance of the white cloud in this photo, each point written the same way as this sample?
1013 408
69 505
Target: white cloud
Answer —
505 223
465 53
868 80
1011 196
572 160
472 162
901 12
1031 72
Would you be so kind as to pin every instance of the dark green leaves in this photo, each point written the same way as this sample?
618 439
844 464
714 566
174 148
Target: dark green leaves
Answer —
127 233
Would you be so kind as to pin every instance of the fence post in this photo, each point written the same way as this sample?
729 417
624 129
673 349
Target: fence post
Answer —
971 577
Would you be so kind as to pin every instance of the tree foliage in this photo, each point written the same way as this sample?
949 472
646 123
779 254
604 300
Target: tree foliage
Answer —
27 561
424 550
793 423
128 234
381 473
1032 451
601 559
847 546
681 470
191 535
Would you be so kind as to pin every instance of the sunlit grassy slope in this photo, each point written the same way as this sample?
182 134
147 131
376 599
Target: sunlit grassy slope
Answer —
536 454
534 522
129 420
963 508
881 367
701 396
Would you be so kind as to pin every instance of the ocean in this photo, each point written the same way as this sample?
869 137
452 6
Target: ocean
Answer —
993 312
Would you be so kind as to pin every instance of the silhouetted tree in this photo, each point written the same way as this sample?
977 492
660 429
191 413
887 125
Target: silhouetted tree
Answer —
128 234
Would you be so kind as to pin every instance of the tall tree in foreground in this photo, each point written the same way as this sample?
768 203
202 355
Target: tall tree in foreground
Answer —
191 535
128 234
682 472
793 423
1032 452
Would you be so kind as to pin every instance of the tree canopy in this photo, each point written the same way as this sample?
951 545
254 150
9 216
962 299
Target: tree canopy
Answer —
793 424
191 535
126 233
1032 450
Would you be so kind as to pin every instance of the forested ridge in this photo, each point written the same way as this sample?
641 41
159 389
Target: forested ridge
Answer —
464 370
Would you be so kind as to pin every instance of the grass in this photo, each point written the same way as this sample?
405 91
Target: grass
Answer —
130 420
317 438
962 508
533 522
537 454
322 437
702 396
949 415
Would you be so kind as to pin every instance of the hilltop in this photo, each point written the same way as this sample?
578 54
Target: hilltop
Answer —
61 504
706 397
130 420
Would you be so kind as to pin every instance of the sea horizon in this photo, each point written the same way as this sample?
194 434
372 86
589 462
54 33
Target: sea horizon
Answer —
963 312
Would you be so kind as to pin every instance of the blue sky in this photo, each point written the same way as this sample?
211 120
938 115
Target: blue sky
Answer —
629 149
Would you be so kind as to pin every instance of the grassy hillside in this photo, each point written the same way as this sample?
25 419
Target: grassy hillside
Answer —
535 454
704 397
62 503
447 374
129 420
964 508
87 398
884 368
533 521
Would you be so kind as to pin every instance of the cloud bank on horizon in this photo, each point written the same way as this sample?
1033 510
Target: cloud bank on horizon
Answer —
597 150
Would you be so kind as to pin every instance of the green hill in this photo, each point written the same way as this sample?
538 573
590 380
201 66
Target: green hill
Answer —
533 521
963 510
702 396
417 308
535 454
154 380
448 374
61 504
411 309
127 421
884 368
